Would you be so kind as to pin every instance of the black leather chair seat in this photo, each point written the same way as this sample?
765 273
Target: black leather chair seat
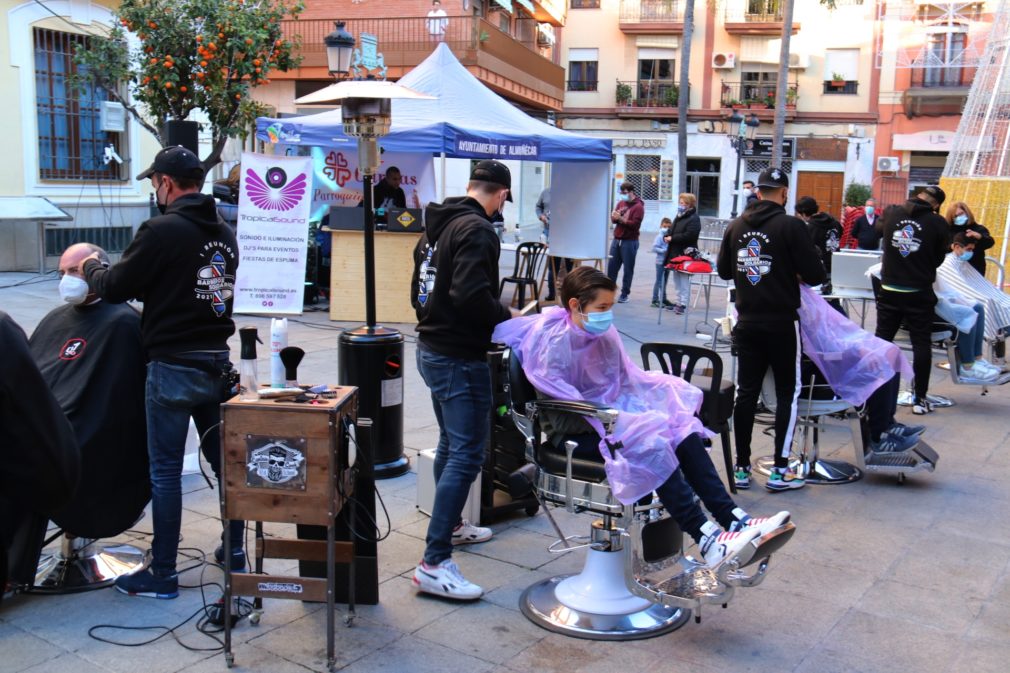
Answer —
587 463
726 394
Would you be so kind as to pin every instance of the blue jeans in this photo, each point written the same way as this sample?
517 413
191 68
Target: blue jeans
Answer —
622 253
174 394
969 344
659 288
696 474
461 395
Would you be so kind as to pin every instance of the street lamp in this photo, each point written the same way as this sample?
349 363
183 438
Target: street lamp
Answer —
741 132
339 47
371 356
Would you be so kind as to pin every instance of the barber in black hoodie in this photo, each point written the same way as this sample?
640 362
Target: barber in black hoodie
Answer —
766 252
182 265
454 290
825 230
915 242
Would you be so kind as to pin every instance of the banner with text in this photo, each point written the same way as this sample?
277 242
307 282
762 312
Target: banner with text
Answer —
273 229
476 147
336 179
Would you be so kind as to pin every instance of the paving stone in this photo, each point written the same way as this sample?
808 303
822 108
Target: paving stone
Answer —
22 650
884 645
424 657
66 662
303 641
484 631
403 608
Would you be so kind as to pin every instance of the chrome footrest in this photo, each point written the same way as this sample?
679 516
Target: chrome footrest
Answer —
699 585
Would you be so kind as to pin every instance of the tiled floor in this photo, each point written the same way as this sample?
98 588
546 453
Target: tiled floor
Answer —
879 577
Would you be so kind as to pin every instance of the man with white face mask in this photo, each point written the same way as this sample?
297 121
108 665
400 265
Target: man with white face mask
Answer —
90 354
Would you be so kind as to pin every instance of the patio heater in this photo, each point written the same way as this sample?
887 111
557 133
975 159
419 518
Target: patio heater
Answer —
741 134
371 356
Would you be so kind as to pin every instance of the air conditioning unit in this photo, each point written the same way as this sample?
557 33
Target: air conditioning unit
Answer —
112 117
799 61
723 60
888 164
545 35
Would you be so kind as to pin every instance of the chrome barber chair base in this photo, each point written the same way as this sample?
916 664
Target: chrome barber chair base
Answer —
90 566
541 606
821 472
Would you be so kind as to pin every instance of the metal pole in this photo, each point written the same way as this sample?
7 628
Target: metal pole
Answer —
736 181
366 182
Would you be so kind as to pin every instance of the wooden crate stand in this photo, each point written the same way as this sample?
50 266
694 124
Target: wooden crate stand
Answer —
287 462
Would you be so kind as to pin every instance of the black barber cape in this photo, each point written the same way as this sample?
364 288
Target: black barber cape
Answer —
93 360
38 456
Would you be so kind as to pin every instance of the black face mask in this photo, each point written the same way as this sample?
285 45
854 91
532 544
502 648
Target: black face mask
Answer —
161 206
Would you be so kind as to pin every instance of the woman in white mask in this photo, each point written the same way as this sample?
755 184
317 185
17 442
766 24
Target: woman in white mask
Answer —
961 219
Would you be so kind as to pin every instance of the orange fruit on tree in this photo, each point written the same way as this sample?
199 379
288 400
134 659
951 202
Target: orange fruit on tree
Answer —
168 85
183 89
203 64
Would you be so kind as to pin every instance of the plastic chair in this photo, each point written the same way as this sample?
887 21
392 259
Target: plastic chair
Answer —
635 582
717 406
529 262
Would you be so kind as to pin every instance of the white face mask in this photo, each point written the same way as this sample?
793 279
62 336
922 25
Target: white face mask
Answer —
73 289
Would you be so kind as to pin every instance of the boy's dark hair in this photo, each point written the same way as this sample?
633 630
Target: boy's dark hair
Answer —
961 238
583 282
807 205
665 220
628 187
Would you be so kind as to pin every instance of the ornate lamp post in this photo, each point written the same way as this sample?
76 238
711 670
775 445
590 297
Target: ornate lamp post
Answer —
741 133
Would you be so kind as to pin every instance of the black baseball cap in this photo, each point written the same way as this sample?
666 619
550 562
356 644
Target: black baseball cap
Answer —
493 171
938 194
176 161
773 178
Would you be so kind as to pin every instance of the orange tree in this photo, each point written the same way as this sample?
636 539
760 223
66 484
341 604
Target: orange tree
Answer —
165 58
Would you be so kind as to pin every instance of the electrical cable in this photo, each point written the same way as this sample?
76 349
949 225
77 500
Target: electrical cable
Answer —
379 536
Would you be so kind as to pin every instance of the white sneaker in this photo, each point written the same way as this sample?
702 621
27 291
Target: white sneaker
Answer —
764 524
446 580
988 365
467 533
718 546
977 372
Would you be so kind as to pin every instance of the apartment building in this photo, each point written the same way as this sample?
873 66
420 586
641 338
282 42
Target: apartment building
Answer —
867 80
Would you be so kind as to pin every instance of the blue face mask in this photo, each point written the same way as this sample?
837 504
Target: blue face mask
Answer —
966 255
869 211
598 323
624 197
681 209
961 220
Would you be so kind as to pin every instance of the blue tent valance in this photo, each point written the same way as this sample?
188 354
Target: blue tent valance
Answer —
464 120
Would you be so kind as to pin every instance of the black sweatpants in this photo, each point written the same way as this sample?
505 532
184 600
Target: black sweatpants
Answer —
881 407
916 310
758 347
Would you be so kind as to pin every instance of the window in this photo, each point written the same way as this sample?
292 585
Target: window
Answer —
71 145
642 170
758 86
585 4
582 69
841 71
943 52
656 72
703 176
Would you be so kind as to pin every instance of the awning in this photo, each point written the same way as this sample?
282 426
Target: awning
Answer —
505 4
551 11
528 4
924 141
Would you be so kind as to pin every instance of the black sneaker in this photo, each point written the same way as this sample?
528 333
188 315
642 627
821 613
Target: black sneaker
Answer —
148 585
623 299
237 559
655 303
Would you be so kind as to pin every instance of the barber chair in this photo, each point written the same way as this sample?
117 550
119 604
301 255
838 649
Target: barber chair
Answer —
717 405
636 582
817 403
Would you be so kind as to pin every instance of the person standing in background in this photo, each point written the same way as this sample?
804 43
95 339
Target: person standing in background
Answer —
683 236
865 229
962 220
437 22
627 218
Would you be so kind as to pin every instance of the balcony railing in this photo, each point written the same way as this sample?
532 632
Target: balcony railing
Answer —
832 86
647 93
947 77
754 11
582 85
652 11
755 95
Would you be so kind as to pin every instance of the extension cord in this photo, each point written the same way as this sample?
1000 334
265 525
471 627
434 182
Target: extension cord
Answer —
215 612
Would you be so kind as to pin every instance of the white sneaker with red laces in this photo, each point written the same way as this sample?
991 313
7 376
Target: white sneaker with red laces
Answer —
764 524
718 546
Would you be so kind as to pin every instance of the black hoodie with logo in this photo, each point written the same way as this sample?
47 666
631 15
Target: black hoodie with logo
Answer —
826 233
915 243
182 266
763 251
454 288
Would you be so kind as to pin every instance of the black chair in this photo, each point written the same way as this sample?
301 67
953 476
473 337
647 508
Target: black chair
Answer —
636 582
717 405
529 262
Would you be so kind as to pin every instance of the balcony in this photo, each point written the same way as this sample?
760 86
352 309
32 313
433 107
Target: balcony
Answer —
755 17
937 91
647 98
512 65
652 16
757 97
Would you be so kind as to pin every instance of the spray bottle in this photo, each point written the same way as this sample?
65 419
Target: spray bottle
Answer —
248 380
278 342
